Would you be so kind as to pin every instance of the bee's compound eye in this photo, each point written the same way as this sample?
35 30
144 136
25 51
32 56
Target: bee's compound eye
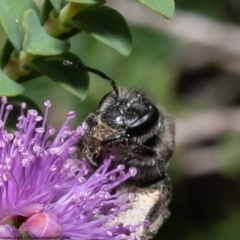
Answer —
144 122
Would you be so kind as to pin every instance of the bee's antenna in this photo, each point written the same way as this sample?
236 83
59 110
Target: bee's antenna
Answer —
92 70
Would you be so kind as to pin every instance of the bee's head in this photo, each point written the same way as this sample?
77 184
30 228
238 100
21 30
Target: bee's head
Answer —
131 111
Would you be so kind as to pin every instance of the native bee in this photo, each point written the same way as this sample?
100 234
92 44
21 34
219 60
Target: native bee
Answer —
129 126
137 132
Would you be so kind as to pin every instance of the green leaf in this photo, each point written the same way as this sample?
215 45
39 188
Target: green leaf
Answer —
29 77
57 5
164 7
6 52
37 41
105 24
73 80
9 87
88 1
47 7
11 14
67 35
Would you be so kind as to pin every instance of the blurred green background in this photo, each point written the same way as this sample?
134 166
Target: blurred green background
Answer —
191 65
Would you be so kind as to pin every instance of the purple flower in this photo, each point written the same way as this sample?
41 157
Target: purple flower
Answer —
46 192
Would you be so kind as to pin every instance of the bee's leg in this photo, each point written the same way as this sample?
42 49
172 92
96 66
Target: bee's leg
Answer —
159 211
82 143
160 208
90 158
88 154
114 137
91 121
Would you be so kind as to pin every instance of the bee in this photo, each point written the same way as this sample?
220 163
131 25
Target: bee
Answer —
130 127
137 132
